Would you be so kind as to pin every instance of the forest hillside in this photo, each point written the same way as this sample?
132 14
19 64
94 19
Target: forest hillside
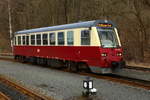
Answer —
131 16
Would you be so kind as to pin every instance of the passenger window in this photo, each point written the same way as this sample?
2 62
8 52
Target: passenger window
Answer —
70 38
27 40
15 41
52 38
38 39
85 37
19 40
32 39
24 40
61 38
45 39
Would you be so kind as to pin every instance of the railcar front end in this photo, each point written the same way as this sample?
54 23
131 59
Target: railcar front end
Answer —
110 50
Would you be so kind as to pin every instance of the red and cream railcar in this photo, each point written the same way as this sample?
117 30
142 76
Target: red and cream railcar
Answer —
92 44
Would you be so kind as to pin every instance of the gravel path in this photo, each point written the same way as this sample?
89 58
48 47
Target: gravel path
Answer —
64 86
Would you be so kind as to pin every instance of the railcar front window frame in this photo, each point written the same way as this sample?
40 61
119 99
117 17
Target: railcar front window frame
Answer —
108 37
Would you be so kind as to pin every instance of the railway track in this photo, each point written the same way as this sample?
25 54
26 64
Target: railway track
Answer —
121 79
114 78
138 68
4 97
15 91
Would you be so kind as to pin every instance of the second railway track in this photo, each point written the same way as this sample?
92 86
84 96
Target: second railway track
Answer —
11 90
114 78
121 79
4 97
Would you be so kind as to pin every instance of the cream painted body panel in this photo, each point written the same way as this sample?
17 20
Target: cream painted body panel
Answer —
94 38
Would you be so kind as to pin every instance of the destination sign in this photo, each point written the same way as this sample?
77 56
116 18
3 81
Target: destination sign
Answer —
104 25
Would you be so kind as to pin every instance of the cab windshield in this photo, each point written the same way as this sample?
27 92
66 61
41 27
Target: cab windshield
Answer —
108 38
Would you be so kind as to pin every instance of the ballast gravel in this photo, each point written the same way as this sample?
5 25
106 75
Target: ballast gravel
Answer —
66 86
12 93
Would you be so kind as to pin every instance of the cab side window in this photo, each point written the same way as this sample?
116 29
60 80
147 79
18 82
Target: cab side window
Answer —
85 37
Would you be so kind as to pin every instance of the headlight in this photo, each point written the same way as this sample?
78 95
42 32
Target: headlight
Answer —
119 54
103 54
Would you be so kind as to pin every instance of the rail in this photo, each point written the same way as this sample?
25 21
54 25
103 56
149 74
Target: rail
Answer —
121 79
33 94
138 68
4 97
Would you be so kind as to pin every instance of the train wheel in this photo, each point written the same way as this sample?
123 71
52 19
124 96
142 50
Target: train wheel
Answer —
72 66
15 57
83 67
21 59
33 60
49 62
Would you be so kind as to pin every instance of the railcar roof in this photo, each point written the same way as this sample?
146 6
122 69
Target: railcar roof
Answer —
85 24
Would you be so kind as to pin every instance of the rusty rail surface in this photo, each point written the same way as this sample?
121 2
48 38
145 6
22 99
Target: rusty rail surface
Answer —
33 94
4 97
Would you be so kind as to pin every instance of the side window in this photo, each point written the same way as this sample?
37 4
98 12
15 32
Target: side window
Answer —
24 40
27 40
61 38
45 39
38 39
19 40
85 37
52 38
32 39
70 38
15 41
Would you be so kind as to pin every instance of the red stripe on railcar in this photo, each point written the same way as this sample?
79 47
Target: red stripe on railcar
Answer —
89 54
